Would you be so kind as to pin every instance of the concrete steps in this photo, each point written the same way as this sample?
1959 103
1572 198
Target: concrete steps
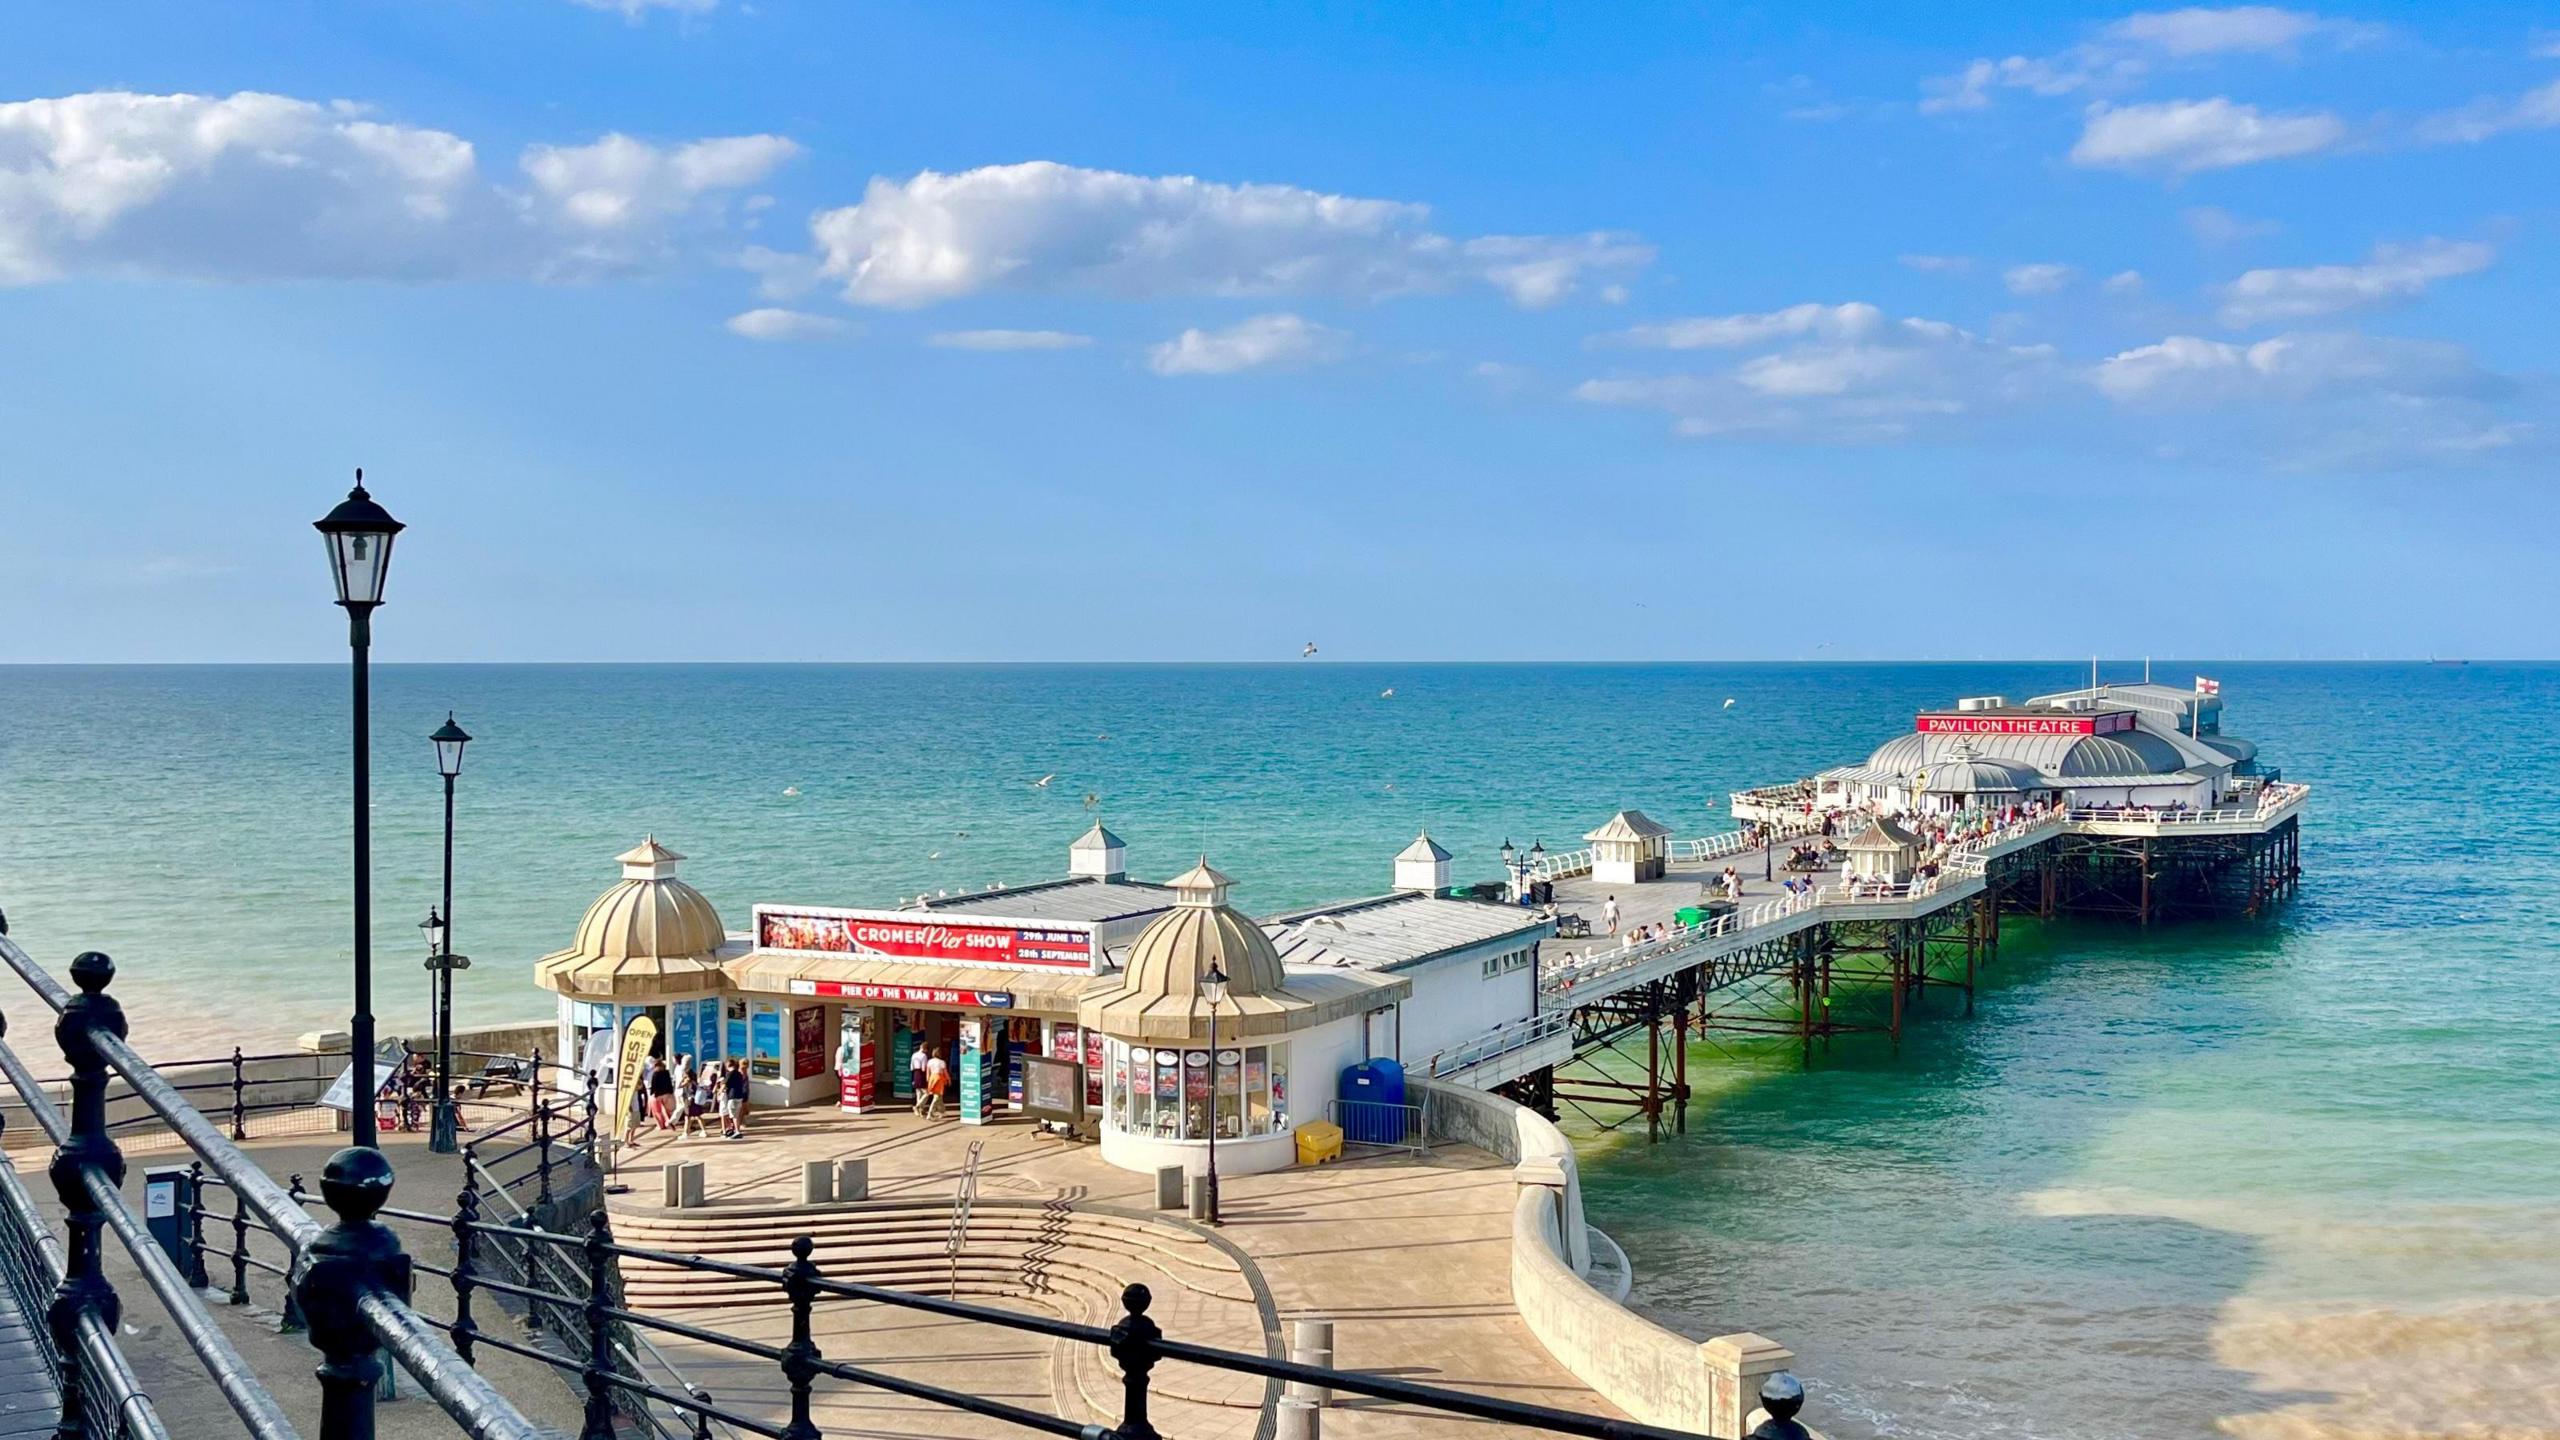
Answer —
1063 1259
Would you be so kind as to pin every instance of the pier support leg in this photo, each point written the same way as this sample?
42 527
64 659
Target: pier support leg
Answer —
1680 1068
2145 907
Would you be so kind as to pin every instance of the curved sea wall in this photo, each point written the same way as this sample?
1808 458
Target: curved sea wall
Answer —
1656 1375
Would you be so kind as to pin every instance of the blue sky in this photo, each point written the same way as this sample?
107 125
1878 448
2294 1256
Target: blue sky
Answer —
850 331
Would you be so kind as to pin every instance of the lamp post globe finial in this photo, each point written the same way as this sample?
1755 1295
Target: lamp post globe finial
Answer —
449 740
358 532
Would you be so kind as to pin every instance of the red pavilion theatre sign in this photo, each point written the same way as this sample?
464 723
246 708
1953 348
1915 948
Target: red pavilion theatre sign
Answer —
917 935
2105 722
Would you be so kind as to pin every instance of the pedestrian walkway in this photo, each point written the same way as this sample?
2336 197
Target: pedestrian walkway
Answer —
1409 1257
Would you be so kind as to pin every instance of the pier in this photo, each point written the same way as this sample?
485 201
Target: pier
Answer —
1777 930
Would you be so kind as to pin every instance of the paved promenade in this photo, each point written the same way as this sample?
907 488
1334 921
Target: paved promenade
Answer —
1409 1257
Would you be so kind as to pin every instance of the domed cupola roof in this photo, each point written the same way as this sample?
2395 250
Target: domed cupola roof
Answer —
1169 957
651 934
1159 993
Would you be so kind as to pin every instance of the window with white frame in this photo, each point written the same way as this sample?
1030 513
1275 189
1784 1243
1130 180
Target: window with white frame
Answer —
1168 1092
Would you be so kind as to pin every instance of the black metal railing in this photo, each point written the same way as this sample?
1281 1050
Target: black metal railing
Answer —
348 1281
350 1286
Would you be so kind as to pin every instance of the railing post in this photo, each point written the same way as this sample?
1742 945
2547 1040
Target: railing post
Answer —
466 1249
195 1224
86 1147
541 1141
353 1258
599 1370
589 1121
1133 1345
291 1320
702 1416
239 1247
1782 1395
239 1097
800 1357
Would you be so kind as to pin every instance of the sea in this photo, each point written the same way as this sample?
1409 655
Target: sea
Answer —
2290 1177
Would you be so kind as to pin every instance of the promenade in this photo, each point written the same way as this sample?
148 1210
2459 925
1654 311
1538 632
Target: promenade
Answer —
1408 1255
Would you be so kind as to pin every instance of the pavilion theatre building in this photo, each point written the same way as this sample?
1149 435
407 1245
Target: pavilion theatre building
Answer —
1131 981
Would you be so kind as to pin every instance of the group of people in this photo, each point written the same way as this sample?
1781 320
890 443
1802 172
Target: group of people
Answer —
931 1076
687 1099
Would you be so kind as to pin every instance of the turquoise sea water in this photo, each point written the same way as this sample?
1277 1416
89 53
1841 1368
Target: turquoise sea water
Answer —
2289 1178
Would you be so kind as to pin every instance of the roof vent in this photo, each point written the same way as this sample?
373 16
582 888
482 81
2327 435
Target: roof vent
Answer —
1982 702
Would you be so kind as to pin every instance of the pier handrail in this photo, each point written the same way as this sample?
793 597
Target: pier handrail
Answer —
2271 798
349 1279
1507 1038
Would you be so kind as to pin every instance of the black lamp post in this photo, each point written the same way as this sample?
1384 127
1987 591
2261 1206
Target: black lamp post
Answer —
449 740
1511 873
359 535
1213 988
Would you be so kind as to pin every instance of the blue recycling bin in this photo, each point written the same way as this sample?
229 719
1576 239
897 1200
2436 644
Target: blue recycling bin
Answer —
1372 1094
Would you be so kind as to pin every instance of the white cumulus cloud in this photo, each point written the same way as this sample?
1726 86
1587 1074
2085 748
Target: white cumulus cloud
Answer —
2188 370
1852 321
2039 279
1265 342
2126 51
1009 340
1828 372
2189 135
772 323
1043 226
2536 109
618 182
256 186
2396 272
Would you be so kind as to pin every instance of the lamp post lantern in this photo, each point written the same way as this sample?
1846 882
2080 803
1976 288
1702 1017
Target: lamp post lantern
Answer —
1213 988
359 535
441 1127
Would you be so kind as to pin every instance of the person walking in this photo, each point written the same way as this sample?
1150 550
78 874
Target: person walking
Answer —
701 1102
916 1063
1609 914
662 1096
733 1101
937 1079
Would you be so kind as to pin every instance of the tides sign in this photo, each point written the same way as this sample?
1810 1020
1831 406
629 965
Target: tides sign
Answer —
1961 723
920 936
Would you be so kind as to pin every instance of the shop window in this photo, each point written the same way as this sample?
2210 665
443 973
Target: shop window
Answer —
764 1041
1167 1093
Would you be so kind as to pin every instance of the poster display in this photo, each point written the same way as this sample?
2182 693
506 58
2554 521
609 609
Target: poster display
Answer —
973 1072
764 1042
680 1030
808 1041
735 1033
853 1062
1093 1069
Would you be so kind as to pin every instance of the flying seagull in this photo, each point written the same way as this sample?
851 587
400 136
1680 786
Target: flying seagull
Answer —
1310 650
1043 782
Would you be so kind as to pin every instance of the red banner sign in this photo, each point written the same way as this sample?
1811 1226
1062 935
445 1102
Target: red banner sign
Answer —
2106 723
915 935
905 994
